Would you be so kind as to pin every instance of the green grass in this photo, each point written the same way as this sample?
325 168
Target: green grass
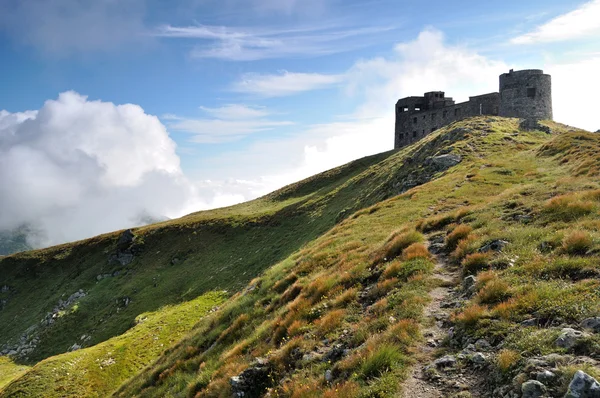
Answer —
9 371
325 257
97 371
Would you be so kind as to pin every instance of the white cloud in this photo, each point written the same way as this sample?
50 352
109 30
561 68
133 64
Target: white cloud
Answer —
284 83
249 44
574 92
227 123
236 111
581 22
66 26
77 168
424 64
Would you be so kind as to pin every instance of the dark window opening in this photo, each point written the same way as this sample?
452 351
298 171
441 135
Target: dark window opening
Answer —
457 112
433 129
401 136
414 134
444 114
423 117
531 92
414 119
423 132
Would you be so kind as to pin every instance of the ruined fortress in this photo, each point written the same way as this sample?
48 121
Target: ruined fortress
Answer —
523 94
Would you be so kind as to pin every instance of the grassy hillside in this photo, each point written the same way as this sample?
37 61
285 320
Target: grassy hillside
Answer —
331 274
175 261
97 370
342 316
72 294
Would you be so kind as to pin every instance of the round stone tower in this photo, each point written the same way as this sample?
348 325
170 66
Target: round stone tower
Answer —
526 94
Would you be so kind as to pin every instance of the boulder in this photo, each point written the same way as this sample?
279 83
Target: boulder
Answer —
592 324
494 246
75 347
583 386
252 382
445 362
530 322
125 240
545 376
335 354
569 338
533 389
483 345
478 358
443 162
469 283
530 124
328 376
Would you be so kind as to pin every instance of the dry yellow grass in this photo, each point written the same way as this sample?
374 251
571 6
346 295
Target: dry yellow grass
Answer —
460 232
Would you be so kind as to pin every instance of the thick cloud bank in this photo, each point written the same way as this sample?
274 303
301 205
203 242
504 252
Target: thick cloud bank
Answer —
77 168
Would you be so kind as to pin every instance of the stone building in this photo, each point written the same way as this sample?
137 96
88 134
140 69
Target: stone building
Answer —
523 94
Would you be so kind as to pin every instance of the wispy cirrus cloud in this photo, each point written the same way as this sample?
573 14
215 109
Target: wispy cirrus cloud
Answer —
225 124
250 44
236 112
284 83
582 22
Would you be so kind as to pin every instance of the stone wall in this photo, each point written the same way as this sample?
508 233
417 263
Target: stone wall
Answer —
412 126
526 94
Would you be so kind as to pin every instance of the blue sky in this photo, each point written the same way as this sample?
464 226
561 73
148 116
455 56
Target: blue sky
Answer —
253 94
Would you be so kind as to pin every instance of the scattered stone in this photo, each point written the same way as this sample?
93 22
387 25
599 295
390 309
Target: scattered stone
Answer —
5 289
126 248
533 363
252 382
555 359
478 358
328 376
545 376
335 354
530 124
583 386
75 347
469 282
483 345
436 248
530 322
569 338
108 362
445 362
533 389
125 240
592 324
443 162
494 246
431 343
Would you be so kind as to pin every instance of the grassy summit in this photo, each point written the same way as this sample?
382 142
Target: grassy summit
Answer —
327 278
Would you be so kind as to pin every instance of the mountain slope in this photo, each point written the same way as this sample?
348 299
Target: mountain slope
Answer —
342 316
349 295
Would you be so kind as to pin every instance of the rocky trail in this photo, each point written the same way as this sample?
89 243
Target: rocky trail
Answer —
435 375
